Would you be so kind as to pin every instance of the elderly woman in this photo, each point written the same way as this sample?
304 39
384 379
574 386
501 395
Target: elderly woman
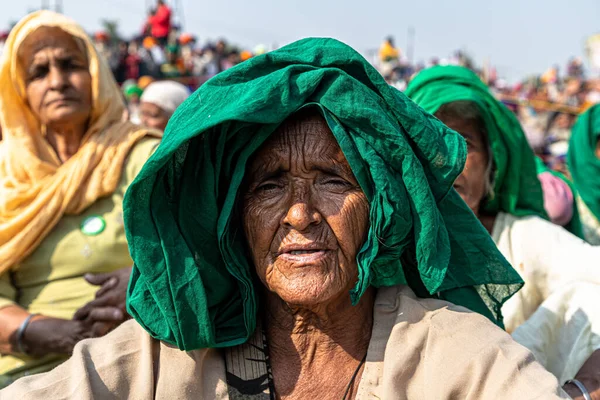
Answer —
583 160
501 187
65 163
297 235
159 101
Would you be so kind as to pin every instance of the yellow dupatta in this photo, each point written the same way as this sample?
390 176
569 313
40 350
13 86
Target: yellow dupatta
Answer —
36 190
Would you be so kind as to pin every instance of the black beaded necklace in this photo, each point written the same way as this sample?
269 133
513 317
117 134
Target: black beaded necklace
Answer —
249 374
351 383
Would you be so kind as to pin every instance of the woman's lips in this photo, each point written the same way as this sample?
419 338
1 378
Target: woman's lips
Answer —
303 253
304 256
61 100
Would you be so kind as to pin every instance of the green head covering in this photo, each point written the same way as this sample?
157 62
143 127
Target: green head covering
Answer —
172 48
131 90
582 160
192 283
517 189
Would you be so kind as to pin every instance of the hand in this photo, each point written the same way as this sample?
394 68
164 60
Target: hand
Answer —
107 310
589 375
46 335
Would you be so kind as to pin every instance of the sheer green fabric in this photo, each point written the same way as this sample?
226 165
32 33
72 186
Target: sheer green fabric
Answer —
192 284
582 160
517 190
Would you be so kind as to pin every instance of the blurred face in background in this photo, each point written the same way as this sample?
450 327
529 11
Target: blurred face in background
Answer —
153 116
564 121
133 48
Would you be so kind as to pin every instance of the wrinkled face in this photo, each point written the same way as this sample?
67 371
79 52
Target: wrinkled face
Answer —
153 116
57 77
473 182
304 215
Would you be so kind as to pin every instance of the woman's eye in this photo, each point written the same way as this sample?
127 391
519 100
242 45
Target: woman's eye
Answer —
69 64
338 182
37 73
146 114
268 187
471 145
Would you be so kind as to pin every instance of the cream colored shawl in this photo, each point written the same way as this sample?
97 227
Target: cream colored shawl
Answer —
419 349
36 189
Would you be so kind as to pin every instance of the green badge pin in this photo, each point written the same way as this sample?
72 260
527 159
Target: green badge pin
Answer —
92 226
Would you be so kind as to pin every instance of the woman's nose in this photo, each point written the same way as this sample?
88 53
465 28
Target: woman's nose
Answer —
302 213
58 78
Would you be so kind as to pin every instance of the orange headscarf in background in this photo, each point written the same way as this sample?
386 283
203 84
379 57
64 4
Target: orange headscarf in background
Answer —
36 190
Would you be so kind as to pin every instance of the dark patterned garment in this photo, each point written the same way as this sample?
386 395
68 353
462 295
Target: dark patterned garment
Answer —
248 370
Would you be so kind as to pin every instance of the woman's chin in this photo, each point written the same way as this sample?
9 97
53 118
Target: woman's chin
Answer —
311 292
68 115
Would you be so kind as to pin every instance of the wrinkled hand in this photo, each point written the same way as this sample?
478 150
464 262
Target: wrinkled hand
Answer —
54 335
107 310
589 375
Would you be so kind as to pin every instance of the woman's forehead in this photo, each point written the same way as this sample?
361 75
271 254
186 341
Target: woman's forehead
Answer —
48 37
467 128
307 141
310 131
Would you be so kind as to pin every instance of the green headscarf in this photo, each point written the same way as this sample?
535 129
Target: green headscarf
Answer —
192 283
517 189
574 226
131 90
582 160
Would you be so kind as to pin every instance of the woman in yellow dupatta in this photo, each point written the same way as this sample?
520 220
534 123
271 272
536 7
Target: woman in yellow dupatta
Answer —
66 160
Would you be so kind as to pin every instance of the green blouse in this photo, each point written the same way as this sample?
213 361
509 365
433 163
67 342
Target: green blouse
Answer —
50 280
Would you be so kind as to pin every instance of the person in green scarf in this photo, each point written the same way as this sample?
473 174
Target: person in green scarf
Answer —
500 185
132 93
583 160
296 235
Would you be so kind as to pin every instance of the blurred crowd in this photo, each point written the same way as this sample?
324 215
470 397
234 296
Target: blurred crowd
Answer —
546 104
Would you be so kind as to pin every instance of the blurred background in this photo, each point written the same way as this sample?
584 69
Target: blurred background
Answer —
541 58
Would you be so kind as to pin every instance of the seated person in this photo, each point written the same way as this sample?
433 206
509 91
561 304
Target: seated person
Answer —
297 235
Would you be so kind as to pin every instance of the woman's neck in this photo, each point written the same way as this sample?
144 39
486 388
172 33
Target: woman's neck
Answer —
318 348
65 140
488 221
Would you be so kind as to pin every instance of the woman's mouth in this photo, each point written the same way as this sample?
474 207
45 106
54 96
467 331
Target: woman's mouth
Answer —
304 257
303 254
61 100
299 252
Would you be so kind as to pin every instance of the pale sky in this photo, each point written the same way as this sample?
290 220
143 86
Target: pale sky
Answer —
519 37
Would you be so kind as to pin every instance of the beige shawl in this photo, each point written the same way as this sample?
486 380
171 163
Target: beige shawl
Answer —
419 349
